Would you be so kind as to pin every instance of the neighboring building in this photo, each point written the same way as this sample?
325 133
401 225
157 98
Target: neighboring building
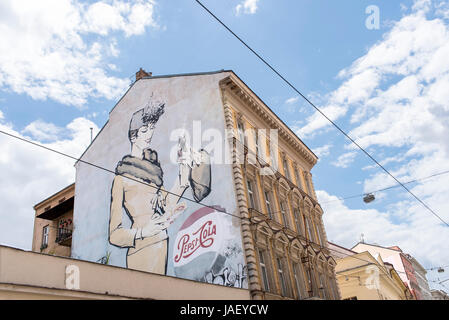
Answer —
53 223
30 275
248 218
339 252
420 274
361 276
398 259
439 295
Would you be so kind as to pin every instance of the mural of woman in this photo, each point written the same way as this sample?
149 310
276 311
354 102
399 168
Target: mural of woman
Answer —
143 198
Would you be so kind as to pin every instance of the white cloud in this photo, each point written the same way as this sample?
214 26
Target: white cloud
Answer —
247 7
42 131
322 151
48 52
415 235
345 160
401 113
292 100
31 174
413 50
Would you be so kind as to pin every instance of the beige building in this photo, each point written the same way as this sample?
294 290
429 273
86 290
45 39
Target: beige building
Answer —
400 260
439 295
53 223
361 276
31 275
285 235
277 244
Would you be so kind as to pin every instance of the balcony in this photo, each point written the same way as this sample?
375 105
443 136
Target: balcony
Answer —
52 213
64 237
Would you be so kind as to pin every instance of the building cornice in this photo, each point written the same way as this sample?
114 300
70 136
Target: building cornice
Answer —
69 189
239 89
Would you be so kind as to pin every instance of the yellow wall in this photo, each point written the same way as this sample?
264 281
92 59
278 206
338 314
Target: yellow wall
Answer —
362 276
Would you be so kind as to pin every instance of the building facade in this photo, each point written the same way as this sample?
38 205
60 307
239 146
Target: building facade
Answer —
28 275
284 232
202 181
53 223
420 274
399 260
361 276
439 295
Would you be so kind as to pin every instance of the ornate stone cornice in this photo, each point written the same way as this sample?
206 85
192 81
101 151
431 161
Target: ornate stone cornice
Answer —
237 88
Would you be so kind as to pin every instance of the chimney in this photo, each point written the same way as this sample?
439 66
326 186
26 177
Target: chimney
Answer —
142 73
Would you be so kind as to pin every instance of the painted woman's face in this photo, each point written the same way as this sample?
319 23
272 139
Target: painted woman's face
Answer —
144 136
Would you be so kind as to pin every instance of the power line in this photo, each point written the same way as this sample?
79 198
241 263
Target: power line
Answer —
388 188
144 183
321 112
113 172
435 268
169 192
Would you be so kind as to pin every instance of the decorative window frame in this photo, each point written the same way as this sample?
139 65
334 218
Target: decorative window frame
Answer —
283 189
281 250
296 252
296 201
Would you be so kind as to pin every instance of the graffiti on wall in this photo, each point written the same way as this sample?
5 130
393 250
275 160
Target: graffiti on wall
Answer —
140 191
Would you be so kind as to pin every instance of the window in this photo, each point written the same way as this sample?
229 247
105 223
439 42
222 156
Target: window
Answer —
281 274
284 213
298 183
264 271
252 203
297 215
297 271
286 171
309 282
274 158
322 286
309 187
333 288
256 142
241 132
268 203
45 231
308 228
317 228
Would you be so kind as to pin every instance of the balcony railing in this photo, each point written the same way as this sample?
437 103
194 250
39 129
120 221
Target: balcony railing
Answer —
64 236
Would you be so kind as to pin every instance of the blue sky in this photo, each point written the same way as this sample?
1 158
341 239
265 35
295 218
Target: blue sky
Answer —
387 87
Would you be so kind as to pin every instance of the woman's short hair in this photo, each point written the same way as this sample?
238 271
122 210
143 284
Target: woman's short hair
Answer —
148 115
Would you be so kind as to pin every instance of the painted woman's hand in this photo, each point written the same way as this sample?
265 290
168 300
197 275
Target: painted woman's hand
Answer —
176 211
153 227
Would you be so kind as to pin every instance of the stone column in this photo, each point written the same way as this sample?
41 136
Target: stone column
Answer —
247 237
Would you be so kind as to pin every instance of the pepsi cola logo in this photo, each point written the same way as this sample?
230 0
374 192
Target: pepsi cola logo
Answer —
200 233
202 238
